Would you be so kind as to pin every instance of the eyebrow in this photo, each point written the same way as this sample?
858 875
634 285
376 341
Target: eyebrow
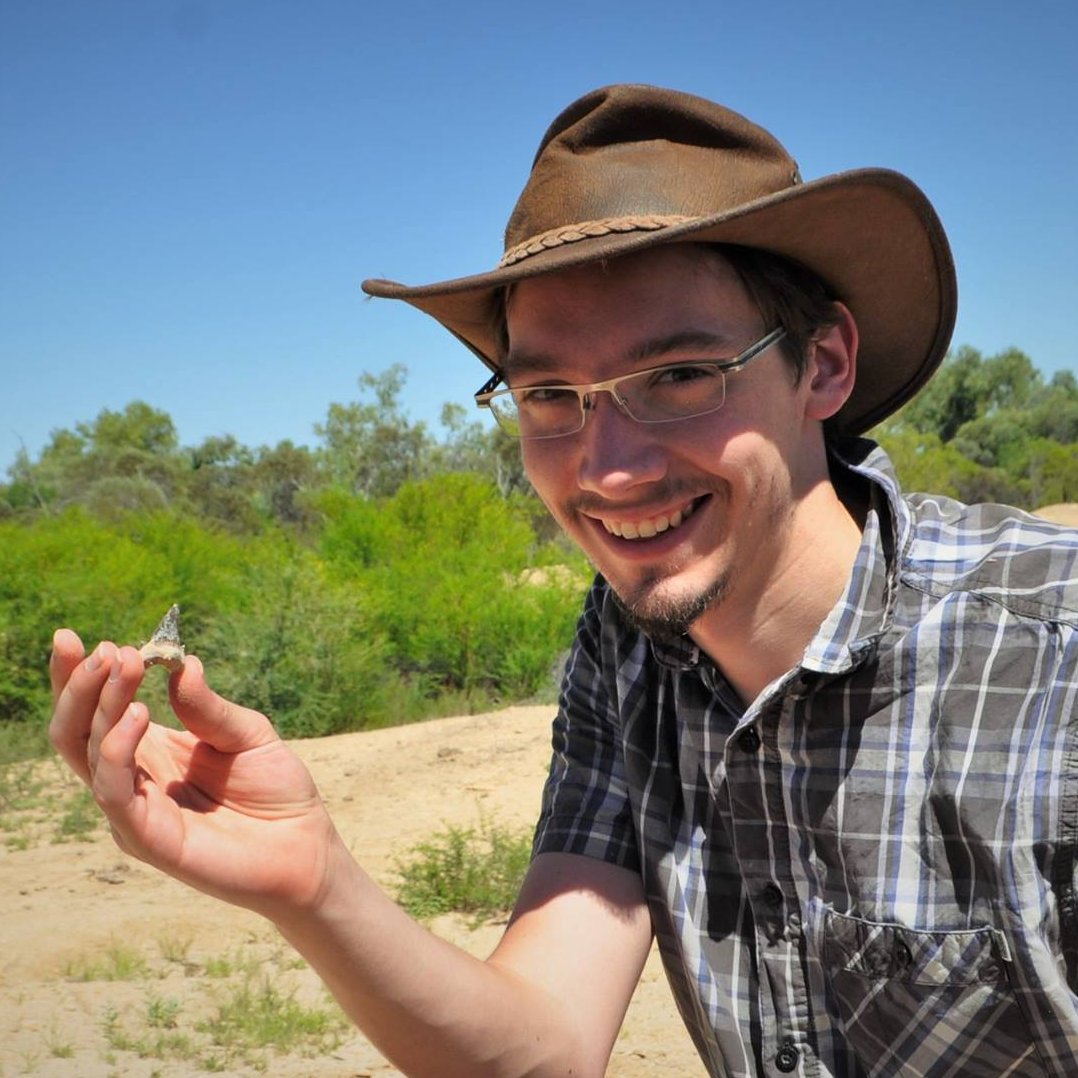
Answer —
533 363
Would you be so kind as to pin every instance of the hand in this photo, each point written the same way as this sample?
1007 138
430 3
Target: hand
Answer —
223 805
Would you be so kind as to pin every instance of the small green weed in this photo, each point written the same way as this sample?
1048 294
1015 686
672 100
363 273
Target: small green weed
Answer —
161 1013
57 1046
158 1042
254 1017
81 817
227 965
462 870
175 949
20 786
21 742
41 800
119 963
218 968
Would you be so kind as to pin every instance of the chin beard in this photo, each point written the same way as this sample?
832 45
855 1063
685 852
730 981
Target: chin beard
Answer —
667 618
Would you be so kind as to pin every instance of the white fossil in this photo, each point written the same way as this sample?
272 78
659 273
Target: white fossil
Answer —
165 648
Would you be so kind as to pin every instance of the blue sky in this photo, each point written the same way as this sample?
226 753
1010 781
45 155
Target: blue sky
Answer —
192 190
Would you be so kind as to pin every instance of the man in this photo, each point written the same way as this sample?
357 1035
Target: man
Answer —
817 737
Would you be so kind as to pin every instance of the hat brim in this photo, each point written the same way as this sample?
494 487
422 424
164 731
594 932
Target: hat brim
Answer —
871 234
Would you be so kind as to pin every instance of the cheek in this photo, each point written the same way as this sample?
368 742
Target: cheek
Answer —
547 479
533 464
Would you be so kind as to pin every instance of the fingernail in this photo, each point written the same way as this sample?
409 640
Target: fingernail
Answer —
94 661
117 667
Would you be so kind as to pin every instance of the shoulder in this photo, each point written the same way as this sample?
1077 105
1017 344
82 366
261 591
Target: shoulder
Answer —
1008 556
1004 555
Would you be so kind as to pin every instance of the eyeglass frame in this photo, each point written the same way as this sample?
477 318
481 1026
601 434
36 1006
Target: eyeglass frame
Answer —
487 392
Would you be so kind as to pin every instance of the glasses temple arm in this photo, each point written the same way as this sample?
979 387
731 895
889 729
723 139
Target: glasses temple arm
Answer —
488 386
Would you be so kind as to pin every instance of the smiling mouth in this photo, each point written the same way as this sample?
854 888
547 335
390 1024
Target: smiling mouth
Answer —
652 526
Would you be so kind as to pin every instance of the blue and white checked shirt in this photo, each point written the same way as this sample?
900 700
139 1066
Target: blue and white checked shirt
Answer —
871 870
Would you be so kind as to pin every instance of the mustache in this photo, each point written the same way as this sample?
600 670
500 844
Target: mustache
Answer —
595 504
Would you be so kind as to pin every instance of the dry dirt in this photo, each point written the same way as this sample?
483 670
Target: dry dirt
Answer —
1060 513
66 905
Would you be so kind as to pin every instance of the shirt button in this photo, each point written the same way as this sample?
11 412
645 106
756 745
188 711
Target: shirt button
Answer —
749 740
786 1058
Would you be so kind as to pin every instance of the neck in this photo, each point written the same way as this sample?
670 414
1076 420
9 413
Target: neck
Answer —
762 627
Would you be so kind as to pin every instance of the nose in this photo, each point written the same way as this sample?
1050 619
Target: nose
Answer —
616 452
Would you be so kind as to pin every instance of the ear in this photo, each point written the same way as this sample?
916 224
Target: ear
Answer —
832 366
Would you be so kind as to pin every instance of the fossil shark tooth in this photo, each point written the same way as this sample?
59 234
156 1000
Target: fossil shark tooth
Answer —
165 647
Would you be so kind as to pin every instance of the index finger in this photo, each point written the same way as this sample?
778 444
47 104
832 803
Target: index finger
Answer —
67 653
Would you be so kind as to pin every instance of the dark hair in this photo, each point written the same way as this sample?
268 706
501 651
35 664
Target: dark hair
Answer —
785 293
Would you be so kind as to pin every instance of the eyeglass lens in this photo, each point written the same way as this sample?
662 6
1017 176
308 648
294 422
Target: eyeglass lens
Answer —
653 396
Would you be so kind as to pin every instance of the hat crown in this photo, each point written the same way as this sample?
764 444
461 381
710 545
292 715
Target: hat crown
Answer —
633 151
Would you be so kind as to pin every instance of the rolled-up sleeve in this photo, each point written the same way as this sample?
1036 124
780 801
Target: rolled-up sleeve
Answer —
585 807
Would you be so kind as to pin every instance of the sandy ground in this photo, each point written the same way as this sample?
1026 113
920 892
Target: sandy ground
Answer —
65 905
1060 513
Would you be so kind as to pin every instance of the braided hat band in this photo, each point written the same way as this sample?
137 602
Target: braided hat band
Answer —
556 237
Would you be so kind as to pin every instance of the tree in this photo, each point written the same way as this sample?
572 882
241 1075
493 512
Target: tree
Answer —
282 477
950 398
472 446
371 447
219 483
121 460
989 430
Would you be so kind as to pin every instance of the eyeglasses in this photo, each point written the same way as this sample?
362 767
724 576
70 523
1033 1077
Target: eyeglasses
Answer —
656 395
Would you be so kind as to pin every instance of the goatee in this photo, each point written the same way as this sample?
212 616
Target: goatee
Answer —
668 618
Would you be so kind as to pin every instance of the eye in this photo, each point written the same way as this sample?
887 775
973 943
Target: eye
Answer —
537 396
684 373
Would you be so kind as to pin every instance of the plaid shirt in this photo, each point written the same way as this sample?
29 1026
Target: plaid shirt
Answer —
871 869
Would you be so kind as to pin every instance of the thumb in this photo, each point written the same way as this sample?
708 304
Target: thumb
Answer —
227 727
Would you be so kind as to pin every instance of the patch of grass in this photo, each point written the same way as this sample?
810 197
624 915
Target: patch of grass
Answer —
40 800
30 1061
21 742
218 968
154 1042
463 870
118 963
175 949
162 1013
255 1017
20 787
58 1047
244 1020
240 961
81 817
24 791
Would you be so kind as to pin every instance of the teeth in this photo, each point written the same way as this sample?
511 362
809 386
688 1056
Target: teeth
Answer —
647 529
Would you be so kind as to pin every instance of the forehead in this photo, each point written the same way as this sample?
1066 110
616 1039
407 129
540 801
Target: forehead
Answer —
616 309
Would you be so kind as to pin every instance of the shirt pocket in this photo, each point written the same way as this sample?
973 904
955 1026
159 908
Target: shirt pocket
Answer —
913 1002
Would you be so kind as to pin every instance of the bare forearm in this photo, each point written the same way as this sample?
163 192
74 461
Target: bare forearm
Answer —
429 1006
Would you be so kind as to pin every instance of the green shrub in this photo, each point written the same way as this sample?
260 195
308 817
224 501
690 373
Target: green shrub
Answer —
105 581
462 870
442 568
300 649
411 606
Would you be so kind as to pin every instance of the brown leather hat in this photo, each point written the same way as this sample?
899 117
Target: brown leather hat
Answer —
626 168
